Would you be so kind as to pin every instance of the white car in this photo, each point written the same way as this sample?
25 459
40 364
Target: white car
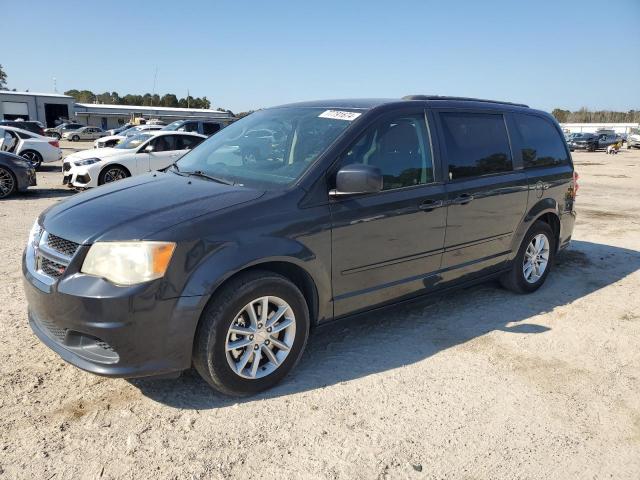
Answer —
84 133
35 148
113 140
145 152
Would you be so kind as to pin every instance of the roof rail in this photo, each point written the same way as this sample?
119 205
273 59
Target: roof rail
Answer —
466 99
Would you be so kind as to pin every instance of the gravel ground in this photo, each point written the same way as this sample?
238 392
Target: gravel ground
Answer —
479 384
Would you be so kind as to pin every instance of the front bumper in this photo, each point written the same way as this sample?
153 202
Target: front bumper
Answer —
580 146
78 177
109 330
25 177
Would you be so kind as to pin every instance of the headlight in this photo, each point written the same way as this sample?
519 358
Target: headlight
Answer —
34 234
86 161
128 263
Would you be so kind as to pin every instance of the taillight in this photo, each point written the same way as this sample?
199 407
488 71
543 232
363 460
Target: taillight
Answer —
54 143
575 183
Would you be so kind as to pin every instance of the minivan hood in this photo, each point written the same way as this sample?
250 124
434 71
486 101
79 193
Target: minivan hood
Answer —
134 208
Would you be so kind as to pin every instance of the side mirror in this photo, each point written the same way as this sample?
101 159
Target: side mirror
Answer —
148 149
357 178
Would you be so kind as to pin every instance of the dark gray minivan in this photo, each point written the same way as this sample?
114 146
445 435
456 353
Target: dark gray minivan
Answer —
228 258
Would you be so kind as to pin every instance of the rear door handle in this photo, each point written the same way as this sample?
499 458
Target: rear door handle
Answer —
429 205
462 199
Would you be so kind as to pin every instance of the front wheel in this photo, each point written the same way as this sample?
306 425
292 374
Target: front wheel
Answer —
7 182
75 138
252 334
112 174
533 261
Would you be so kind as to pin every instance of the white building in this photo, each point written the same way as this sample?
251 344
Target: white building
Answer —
46 108
53 108
594 127
112 116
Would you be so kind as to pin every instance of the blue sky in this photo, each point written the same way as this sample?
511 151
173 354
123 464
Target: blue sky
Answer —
253 54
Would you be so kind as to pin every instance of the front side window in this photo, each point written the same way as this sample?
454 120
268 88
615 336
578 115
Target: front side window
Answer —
477 144
541 142
400 148
164 143
269 148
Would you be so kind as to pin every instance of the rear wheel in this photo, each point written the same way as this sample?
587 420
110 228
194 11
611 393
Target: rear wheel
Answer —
7 182
252 334
533 261
112 173
34 157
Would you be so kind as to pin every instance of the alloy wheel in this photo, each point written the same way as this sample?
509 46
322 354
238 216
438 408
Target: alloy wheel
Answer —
536 258
7 183
114 174
32 157
260 337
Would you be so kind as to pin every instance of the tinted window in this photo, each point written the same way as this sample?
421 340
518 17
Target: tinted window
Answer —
164 143
477 144
541 142
189 127
24 135
187 142
400 148
210 128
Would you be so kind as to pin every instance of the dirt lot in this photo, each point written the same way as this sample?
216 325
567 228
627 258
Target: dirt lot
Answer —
480 384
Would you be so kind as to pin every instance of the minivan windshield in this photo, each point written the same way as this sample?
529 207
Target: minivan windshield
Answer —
133 142
268 149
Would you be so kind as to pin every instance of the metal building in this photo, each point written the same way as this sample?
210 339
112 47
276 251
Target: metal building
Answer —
47 108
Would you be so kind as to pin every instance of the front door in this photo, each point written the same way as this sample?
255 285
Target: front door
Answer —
386 245
164 152
486 197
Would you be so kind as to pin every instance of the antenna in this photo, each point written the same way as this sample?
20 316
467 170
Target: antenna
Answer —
55 85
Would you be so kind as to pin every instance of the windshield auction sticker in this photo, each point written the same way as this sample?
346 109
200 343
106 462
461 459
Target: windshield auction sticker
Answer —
339 115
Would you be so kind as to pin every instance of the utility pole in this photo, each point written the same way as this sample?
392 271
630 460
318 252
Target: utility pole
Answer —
188 103
55 85
155 78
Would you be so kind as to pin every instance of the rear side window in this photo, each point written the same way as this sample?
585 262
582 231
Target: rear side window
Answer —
164 143
541 142
23 135
477 144
210 128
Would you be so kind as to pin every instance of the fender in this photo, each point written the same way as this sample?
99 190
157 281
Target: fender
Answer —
542 207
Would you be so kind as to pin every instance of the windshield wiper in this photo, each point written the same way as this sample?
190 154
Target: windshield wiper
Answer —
201 174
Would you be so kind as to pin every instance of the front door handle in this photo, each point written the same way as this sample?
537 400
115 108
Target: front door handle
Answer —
462 199
429 205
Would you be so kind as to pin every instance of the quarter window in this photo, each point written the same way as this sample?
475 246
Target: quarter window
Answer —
400 148
541 142
477 144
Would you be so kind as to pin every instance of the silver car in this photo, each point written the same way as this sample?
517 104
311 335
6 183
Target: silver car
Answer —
84 133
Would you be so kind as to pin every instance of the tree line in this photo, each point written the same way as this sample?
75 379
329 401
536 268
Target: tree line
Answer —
147 100
585 115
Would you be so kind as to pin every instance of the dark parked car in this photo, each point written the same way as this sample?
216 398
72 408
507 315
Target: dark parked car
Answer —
35 127
16 174
203 127
227 265
584 141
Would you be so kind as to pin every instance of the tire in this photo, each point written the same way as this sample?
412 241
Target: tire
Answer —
34 158
8 182
211 357
112 173
515 280
75 138
592 148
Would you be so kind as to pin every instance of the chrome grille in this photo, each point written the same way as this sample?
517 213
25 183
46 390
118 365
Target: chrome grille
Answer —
66 247
51 268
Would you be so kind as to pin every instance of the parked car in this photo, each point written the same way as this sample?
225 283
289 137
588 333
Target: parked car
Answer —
226 266
35 148
84 133
633 139
607 137
57 132
31 126
122 128
147 151
203 127
113 140
16 174
584 141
